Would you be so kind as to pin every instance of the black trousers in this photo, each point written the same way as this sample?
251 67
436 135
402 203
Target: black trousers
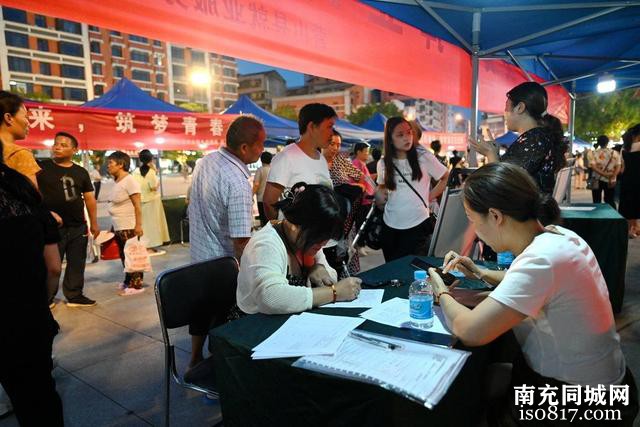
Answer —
609 194
96 186
412 241
73 245
25 374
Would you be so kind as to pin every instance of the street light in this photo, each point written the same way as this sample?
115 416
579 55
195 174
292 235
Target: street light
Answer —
200 78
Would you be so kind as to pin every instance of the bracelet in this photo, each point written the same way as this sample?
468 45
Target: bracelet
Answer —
335 293
443 293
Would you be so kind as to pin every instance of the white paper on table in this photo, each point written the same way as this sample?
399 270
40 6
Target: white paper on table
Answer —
395 312
366 299
418 371
307 334
578 208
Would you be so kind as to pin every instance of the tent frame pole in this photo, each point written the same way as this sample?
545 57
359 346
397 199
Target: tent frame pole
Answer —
160 175
475 72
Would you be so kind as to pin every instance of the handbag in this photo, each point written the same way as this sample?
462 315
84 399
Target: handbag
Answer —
433 218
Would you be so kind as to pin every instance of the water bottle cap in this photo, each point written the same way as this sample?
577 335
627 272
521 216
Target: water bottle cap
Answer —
419 275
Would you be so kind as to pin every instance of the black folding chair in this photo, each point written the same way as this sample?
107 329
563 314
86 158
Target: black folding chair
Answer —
188 293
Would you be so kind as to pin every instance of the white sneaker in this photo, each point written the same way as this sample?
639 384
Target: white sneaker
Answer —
121 287
130 291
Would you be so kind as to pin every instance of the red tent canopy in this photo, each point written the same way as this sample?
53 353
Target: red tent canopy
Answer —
105 129
340 39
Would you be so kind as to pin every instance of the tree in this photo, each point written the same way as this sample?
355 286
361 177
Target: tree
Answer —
192 106
286 111
609 114
365 112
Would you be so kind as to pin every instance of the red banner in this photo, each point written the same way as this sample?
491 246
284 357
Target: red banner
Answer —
344 40
449 141
104 129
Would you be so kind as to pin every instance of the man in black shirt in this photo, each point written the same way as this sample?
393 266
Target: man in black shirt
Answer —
66 188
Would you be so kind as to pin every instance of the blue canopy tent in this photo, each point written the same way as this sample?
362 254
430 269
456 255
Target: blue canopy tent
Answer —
127 96
507 139
349 130
376 122
275 126
568 43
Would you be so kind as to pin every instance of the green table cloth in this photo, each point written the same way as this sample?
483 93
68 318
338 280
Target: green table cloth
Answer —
605 231
273 393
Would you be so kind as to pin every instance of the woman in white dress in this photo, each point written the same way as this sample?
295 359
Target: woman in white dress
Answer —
154 221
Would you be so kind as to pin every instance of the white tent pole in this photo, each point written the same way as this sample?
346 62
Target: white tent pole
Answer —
160 174
572 115
475 71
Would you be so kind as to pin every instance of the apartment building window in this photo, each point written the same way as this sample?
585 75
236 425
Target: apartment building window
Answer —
96 68
141 75
218 87
230 89
43 45
160 79
19 64
218 103
23 87
160 96
47 91
16 39
228 103
72 71
177 53
228 58
138 39
71 49
229 72
68 26
180 90
41 21
94 28
98 90
74 94
139 56
95 47
45 68
14 15
200 94
115 33
157 43
178 71
118 71
197 57
116 51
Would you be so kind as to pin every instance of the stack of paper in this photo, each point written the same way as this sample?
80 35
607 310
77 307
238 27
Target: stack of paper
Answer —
307 334
367 298
395 312
420 372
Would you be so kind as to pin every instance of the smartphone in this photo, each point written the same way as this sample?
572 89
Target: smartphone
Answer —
447 278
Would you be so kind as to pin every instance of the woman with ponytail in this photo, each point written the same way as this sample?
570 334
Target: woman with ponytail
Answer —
154 221
283 268
553 295
541 145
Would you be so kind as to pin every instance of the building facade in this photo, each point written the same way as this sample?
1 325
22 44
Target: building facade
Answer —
344 101
262 87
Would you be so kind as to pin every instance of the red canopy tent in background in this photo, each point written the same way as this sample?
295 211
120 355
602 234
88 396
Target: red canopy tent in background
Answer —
106 129
340 39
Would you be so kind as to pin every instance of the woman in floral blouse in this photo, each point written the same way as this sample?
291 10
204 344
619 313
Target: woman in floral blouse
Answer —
541 145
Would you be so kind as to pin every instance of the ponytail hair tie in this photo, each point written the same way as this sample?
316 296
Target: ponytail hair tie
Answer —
544 113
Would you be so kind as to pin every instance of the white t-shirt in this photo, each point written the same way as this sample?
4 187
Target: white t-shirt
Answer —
292 165
121 207
262 281
404 209
570 332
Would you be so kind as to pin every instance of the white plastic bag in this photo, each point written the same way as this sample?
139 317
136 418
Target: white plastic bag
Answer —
136 257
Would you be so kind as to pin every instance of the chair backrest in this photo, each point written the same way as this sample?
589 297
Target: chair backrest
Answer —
452 230
184 292
562 188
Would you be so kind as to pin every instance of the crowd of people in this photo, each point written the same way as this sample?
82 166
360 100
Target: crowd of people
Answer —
312 200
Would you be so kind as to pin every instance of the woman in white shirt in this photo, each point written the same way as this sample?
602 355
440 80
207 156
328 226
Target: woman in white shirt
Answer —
126 214
283 268
154 221
404 178
553 295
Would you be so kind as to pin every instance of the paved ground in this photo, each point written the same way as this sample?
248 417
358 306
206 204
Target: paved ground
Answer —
110 357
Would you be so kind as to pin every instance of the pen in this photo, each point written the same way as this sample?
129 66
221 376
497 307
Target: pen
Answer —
374 341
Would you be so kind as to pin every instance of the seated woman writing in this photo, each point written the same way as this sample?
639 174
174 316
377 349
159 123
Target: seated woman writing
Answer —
553 296
283 269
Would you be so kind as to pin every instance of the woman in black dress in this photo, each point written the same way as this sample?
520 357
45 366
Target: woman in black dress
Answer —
630 180
541 145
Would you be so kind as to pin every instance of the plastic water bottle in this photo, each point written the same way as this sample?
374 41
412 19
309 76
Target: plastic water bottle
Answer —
421 301
504 260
